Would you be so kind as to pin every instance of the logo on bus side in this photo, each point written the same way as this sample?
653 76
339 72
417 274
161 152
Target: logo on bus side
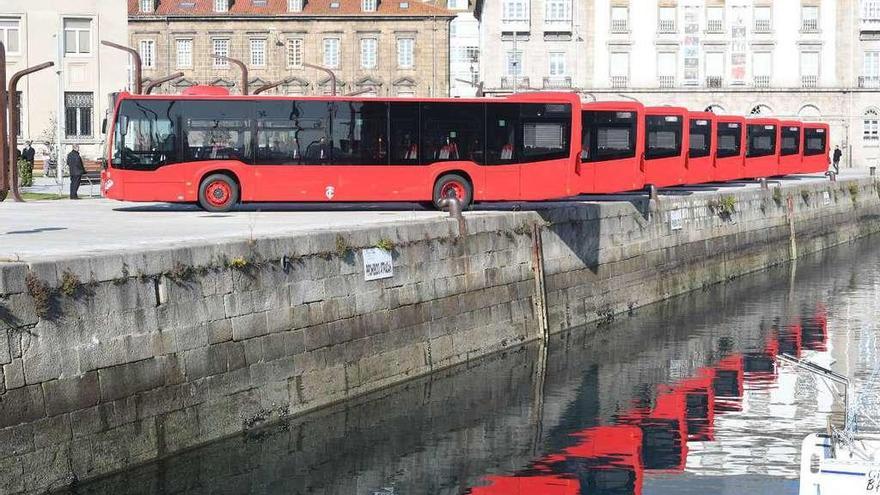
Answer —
330 191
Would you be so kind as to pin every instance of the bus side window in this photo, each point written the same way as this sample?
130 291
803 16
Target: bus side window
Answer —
452 131
546 130
404 141
359 133
502 124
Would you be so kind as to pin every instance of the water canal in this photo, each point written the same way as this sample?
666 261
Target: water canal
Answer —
681 397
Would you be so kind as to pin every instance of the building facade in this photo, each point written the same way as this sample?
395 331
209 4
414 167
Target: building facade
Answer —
464 48
67 33
806 59
375 47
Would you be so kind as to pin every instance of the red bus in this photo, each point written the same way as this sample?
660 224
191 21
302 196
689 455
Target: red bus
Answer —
612 145
816 148
730 146
219 150
762 148
702 146
790 149
666 146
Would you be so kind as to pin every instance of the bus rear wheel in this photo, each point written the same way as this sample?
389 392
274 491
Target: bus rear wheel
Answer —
453 186
218 193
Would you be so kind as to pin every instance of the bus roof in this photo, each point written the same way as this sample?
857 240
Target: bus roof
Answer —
614 105
531 97
666 110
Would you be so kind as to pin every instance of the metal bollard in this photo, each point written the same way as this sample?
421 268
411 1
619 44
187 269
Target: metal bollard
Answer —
872 171
763 182
453 205
832 176
652 192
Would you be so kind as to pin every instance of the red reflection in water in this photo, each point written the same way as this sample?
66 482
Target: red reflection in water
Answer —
612 459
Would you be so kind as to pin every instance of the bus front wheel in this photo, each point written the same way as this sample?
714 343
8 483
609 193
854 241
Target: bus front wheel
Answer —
453 186
218 192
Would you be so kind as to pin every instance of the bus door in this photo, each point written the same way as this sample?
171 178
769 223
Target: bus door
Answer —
547 153
730 149
701 148
790 152
762 148
611 148
504 152
293 151
666 144
816 148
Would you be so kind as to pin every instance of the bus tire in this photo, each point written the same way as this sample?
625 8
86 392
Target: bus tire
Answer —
453 185
218 193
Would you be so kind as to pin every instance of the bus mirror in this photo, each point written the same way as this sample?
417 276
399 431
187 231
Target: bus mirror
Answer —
104 126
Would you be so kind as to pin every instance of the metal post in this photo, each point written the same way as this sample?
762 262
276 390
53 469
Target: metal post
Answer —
272 85
4 166
244 71
359 92
160 81
138 85
329 73
13 124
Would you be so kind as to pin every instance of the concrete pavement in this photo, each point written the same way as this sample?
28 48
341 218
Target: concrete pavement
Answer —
51 229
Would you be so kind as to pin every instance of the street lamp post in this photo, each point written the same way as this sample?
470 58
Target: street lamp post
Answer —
244 71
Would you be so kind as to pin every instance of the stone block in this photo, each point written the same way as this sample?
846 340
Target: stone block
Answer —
12 277
11 475
177 430
48 468
13 374
18 440
238 303
249 326
253 350
228 383
219 331
128 379
52 431
316 337
21 405
280 320
70 394
205 361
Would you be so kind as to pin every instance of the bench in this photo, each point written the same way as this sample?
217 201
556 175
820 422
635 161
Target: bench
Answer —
92 176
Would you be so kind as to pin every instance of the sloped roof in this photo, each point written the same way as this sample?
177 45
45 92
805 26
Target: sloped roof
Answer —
269 8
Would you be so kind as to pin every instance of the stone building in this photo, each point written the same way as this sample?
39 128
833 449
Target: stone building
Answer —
464 47
67 33
379 47
806 59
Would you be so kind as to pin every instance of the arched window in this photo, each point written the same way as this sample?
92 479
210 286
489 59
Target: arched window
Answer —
871 127
762 110
809 112
716 109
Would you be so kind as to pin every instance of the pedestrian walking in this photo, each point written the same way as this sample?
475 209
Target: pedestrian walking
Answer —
75 165
835 159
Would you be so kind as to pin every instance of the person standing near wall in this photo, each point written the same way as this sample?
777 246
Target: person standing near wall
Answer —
835 159
75 165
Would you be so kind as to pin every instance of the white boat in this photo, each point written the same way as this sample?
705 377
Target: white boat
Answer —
831 465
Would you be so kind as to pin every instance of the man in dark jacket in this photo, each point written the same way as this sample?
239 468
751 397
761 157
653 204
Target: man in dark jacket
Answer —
28 152
75 165
835 159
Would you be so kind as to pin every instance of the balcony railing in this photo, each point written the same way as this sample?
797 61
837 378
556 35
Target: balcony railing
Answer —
809 81
665 26
871 24
508 81
666 81
557 82
619 26
715 26
810 26
762 81
869 81
714 81
762 26
619 81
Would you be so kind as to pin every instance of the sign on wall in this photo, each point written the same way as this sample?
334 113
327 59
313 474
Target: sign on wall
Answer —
377 264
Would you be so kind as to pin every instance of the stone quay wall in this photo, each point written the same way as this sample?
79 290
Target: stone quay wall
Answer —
115 360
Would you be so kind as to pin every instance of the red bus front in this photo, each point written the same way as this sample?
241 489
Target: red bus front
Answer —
220 150
816 148
790 147
762 148
612 144
666 146
730 151
702 147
